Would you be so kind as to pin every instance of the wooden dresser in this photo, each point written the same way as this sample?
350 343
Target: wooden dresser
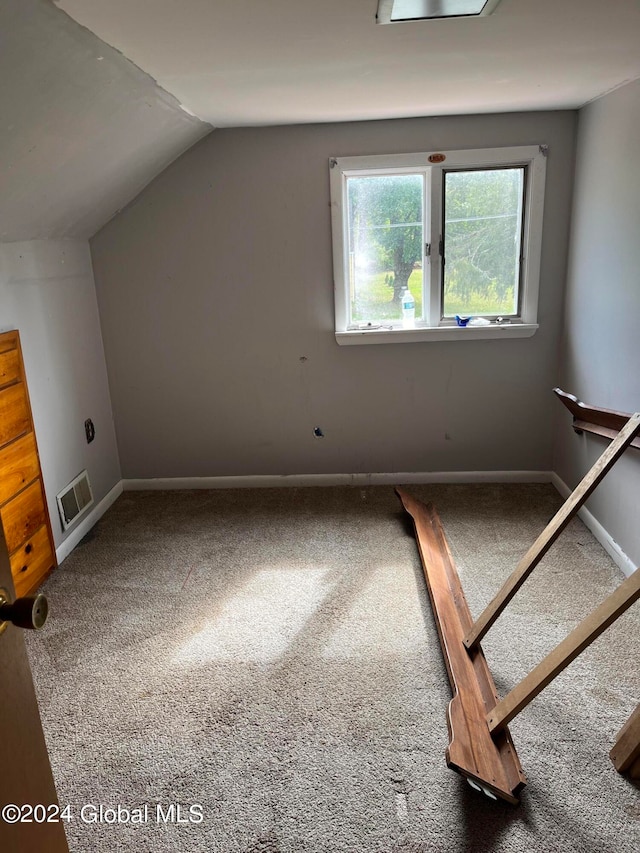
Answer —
23 507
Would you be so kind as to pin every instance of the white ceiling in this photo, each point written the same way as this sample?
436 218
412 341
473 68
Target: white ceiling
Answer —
87 124
255 62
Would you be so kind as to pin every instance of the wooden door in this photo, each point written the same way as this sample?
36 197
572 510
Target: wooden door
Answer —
25 774
23 504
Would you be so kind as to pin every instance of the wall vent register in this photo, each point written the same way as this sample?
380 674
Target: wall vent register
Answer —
74 499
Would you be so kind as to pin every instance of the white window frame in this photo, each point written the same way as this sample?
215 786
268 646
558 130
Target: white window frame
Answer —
434 326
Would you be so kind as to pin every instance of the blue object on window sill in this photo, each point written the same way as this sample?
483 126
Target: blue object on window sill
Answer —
462 321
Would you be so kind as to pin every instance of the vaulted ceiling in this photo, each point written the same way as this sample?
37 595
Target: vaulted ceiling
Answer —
239 62
98 97
82 129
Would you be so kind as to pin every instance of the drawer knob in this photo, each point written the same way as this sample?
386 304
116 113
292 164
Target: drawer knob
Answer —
30 612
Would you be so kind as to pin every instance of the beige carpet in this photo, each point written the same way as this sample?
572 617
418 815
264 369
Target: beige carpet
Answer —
271 656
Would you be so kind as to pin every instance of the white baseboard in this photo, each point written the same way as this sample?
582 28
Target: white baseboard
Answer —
602 535
67 545
277 481
379 479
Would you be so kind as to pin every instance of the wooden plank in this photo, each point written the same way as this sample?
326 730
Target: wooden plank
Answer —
603 432
19 466
8 340
10 367
586 418
626 750
23 515
569 649
551 532
490 762
14 412
32 562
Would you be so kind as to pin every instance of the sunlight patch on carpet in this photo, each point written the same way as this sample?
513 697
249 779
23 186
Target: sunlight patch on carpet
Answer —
261 620
384 619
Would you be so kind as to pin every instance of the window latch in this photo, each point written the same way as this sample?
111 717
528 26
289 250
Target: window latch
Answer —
427 250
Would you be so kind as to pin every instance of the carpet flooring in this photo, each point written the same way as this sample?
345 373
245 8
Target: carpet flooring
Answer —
270 657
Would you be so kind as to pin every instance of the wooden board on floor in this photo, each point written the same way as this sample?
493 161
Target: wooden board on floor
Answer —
626 751
490 762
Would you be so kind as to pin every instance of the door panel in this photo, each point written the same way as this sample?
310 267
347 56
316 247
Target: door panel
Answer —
23 515
9 367
25 776
31 561
18 466
14 414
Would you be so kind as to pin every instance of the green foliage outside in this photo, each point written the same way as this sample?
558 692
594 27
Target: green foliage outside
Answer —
482 242
374 303
385 218
478 304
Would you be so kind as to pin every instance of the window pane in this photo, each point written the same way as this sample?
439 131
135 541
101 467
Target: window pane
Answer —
386 237
482 236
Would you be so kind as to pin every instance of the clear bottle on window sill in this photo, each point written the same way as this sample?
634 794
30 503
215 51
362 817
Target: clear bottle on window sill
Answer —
408 309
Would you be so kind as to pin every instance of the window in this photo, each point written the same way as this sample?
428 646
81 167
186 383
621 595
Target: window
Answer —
442 245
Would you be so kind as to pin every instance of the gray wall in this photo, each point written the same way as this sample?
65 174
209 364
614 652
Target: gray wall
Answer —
217 280
47 293
601 342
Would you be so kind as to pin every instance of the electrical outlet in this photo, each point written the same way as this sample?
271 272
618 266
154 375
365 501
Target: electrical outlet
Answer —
90 430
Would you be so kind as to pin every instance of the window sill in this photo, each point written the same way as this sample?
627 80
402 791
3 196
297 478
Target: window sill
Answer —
440 333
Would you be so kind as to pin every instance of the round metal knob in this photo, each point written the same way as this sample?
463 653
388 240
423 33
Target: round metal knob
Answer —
30 612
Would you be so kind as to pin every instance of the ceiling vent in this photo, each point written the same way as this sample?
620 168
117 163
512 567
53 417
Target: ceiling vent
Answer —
74 499
397 11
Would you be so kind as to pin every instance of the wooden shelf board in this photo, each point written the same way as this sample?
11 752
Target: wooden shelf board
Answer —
606 423
490 762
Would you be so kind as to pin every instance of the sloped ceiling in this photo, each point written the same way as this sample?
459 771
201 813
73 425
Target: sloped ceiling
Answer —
82 129
244 62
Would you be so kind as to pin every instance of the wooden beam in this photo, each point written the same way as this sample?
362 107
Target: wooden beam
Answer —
604 422
490 763
569 649
626 751
551 532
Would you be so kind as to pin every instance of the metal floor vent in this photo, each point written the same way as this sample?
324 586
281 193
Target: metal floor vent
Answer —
74 499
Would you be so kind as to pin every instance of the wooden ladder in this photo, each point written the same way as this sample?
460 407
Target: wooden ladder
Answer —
480 745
